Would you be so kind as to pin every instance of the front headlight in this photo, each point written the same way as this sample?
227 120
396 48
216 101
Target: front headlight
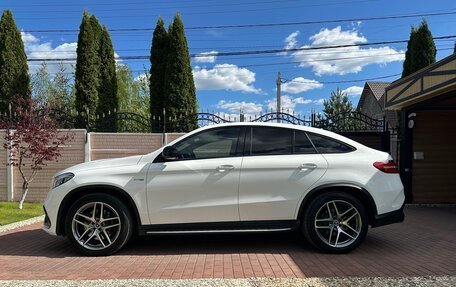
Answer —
61 179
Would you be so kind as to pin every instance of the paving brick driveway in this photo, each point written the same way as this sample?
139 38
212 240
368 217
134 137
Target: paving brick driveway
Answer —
425 244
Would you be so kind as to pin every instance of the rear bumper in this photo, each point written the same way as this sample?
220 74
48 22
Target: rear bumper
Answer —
389 217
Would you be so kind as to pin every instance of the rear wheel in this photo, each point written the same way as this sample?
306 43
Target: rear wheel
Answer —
335 222
98 224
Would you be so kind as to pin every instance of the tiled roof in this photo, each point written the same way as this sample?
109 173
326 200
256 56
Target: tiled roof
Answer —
378 88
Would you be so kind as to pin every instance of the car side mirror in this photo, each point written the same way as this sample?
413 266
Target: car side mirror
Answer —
170 153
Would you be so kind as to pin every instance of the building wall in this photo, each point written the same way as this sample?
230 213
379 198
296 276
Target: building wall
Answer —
371 107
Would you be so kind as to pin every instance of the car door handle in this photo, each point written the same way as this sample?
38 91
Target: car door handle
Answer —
224 168
307 166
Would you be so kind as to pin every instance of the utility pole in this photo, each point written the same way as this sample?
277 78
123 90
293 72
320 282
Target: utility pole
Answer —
279 83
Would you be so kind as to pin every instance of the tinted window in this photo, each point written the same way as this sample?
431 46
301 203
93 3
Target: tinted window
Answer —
221 142
328 145
302 143
271 141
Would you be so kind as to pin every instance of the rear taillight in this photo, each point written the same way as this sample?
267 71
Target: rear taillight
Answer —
388 167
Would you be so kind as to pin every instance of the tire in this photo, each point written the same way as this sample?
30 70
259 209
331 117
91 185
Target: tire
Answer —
345 230
98 235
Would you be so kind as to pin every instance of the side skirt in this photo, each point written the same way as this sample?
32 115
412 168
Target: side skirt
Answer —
219 227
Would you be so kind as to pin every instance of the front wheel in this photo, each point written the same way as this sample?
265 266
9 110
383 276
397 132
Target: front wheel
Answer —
98 224
335 222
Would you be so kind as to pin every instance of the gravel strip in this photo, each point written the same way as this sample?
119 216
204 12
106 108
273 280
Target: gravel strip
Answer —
253 282
21 223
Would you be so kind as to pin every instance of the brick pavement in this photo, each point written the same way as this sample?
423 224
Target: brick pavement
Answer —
423 245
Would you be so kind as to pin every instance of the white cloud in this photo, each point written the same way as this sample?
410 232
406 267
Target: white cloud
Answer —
34 48
290 41
355 58
299 85
319 101
225 77
246 107
202 58
353 91
302 101
288 103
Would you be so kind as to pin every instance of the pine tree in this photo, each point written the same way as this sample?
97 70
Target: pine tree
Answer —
337 113
14 77
107 92
158 61
180 95
87 69
421 51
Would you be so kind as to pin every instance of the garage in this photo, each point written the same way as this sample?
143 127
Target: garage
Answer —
426 101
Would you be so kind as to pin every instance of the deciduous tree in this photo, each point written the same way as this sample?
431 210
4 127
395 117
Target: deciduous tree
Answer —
33 140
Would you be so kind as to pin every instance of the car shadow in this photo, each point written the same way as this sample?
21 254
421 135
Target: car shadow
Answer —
38 243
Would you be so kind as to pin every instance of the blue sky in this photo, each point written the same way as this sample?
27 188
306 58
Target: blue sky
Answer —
227 84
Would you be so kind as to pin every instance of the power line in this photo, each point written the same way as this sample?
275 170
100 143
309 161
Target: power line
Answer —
344 81
255 52
143 8
187 13
403 16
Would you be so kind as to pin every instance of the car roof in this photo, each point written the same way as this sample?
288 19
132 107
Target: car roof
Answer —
280 125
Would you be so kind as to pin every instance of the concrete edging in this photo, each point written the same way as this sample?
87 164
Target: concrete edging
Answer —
248 282
22 223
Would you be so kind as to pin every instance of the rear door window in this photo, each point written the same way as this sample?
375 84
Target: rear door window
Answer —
271 141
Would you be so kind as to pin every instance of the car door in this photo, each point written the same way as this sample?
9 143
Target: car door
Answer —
279 166
203 184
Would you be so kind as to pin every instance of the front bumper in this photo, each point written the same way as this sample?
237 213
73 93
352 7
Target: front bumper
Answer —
395 216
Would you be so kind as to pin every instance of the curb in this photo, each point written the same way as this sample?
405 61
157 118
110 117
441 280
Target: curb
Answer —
248 282
22 223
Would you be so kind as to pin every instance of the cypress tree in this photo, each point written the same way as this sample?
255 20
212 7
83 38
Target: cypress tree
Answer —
180 95
14 77
421 51
407 66
107 92
87 69
158 61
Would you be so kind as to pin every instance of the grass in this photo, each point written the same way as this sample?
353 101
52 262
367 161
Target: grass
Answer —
9 212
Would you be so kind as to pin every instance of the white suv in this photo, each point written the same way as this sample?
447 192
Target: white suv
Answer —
243 177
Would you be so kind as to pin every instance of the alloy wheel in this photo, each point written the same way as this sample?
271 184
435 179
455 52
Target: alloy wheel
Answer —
96 225
338 223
